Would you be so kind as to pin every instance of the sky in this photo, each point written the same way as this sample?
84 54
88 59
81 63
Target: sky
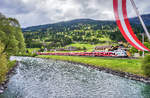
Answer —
38 12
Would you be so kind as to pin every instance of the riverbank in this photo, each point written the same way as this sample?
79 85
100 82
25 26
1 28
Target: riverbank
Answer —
11 67
128 68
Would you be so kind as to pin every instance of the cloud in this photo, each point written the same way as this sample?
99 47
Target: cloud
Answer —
36 12
15 6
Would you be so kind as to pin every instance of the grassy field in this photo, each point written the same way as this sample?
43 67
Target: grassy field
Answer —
32 49
125 65
89 47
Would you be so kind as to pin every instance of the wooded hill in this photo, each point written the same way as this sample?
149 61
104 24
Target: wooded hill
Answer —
79 30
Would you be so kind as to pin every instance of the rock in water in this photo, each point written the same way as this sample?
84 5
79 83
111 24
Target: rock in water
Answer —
1 91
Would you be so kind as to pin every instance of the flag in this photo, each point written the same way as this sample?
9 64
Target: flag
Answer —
123 23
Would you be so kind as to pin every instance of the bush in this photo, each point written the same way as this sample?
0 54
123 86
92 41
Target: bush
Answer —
3 67
133 50
146 65
27 54
3 63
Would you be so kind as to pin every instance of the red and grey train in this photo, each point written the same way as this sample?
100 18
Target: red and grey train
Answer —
115 53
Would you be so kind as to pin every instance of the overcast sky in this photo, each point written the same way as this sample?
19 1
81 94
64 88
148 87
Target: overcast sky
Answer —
37 12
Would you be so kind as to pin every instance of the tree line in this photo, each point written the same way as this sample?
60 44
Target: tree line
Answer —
11 42
65 33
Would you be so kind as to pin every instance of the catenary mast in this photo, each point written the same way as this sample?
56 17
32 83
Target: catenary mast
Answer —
140 18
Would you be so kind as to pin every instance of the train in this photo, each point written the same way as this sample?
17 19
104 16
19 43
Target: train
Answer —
115 53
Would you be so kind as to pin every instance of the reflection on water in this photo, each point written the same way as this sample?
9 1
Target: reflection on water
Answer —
41 78
146 91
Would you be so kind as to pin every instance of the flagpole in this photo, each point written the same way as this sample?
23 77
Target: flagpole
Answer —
140 18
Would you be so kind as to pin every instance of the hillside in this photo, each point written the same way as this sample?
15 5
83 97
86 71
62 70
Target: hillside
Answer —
134 20
146 19
77 31
66 24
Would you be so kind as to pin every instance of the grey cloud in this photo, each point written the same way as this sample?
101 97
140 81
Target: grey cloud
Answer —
15 6
35 12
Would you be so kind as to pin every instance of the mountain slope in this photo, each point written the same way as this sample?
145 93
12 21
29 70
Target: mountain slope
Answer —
67 24
135 20
78 31
146 19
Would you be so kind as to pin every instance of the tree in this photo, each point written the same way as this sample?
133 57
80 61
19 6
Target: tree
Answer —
133 50
11 36
147 44
84 48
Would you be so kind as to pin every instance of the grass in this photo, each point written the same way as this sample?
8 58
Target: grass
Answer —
11 64
125 65
89 47
27 54
32 52
32 49
105 39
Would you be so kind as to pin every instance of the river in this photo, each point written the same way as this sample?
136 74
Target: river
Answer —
43 78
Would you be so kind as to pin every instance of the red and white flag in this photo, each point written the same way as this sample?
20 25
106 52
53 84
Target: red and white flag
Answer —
123 23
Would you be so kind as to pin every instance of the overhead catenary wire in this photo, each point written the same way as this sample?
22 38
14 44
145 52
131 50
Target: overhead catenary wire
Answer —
141 20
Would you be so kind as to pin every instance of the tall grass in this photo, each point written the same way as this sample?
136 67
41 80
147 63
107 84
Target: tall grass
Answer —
146 65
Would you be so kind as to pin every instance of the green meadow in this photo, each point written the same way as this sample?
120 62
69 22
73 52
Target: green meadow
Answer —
119 64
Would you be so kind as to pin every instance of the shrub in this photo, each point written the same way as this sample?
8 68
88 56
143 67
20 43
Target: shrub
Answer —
133 50
27 54
3 63
146 65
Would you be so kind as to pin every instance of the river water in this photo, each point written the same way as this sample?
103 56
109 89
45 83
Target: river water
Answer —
43 78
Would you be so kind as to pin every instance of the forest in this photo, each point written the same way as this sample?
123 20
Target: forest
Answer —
77 31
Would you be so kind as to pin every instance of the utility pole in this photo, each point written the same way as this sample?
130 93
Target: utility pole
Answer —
143 43
141 20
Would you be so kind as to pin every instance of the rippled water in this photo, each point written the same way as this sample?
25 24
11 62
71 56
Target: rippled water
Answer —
42 78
